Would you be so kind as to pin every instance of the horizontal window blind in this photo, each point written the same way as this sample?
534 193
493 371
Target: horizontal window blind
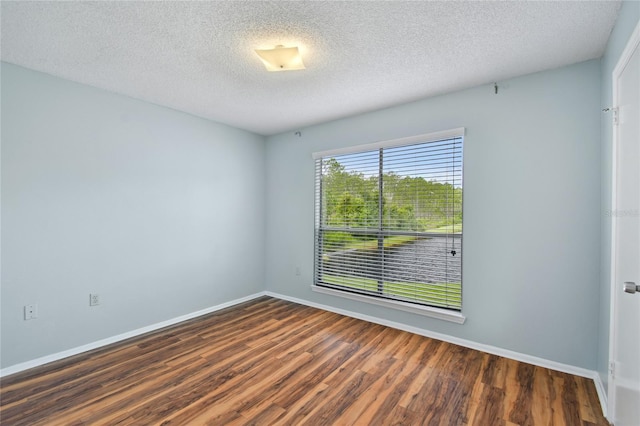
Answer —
388 222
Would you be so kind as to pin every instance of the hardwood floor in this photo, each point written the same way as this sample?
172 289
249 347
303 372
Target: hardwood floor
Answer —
270 361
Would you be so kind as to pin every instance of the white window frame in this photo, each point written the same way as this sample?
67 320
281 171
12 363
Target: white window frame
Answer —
429 311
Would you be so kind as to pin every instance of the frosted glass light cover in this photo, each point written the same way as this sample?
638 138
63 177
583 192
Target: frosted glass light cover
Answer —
281 58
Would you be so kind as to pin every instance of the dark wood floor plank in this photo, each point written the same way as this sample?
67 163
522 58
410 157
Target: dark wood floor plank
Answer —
520 412
271 361
588 398
491 409
356 411
268 415
569 394
541 399
381 411
317 375
421 375
284 389
334 405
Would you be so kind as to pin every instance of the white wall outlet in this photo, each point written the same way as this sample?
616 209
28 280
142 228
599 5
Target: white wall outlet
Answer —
94 299
297 270
30 311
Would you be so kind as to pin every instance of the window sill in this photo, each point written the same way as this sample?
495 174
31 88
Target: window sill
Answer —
442 314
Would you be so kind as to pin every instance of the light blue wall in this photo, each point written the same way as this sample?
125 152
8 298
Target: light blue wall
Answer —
532 209
159 212
628 18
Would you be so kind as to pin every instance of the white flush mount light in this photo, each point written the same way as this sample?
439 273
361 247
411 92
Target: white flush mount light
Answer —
281 58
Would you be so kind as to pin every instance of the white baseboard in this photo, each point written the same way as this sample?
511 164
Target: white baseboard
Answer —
109 340
602 394
529 359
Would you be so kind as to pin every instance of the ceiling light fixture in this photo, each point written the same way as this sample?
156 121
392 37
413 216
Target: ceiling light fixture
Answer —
281 58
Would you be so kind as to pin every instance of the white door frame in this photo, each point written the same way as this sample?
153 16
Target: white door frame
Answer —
625 57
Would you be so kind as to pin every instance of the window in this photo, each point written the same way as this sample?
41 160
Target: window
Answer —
389 220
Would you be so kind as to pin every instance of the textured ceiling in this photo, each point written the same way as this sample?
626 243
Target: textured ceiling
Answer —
198 57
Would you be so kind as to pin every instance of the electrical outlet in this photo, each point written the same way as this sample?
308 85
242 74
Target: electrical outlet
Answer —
30 311
94 299
297 270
